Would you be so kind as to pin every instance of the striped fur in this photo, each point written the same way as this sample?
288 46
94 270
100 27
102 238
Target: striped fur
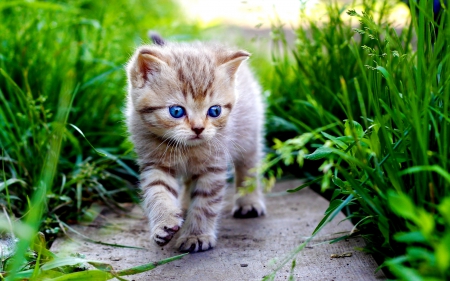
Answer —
195 76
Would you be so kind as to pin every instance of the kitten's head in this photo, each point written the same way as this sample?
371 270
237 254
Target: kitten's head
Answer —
184 92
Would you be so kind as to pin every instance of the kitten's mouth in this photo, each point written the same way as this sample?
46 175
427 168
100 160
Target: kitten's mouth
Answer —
196 140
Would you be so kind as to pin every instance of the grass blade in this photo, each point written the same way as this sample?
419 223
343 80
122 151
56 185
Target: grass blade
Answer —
305 185
148 266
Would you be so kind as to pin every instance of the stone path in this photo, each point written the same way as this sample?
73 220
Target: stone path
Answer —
247 249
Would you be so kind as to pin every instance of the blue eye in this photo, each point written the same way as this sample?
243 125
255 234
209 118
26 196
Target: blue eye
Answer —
176 111
214 110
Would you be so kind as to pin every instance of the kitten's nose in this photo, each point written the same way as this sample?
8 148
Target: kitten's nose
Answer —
198 131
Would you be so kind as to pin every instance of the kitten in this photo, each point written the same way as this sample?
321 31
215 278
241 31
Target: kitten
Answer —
192 109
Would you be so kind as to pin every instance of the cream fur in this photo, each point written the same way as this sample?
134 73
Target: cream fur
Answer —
195 76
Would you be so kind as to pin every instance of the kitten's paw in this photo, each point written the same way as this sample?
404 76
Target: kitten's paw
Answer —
246 208
164 231
196 243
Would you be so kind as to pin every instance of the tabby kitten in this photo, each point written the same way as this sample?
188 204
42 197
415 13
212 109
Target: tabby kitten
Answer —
193 109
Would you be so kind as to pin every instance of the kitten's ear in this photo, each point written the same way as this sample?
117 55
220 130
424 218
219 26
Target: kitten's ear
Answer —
232 62
146 62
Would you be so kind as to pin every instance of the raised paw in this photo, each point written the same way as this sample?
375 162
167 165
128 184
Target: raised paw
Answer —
196 243
164 231
247 209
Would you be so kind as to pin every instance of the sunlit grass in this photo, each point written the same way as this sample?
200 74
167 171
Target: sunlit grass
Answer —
384 95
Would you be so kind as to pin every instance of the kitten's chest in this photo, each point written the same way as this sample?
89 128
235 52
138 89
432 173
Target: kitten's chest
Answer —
196 160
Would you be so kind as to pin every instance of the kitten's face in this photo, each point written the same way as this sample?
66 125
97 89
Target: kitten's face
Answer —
183 96
182 118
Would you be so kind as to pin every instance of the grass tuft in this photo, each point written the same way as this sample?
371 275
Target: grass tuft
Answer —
387 157
62 139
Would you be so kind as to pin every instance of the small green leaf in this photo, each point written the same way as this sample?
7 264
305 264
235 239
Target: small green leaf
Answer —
319 153
336 140
346 139
10 182
420 254
442 253
404 273
281 124
353 126
339 183
410 237
402 205
444 209
336 193
46 275
425 221
434 168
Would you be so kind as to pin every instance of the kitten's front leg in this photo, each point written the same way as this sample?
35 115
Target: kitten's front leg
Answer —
199 230
160 192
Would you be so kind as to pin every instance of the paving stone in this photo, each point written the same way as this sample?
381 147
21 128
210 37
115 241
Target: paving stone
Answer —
247 249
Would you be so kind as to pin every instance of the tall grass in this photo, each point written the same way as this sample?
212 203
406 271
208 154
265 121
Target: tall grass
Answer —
78 47
62 88
306 91
374 109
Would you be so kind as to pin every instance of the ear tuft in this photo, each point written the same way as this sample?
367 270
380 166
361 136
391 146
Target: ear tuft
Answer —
232 62
145 63
156 38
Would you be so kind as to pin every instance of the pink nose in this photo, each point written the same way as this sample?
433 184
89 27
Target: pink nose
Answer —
198 131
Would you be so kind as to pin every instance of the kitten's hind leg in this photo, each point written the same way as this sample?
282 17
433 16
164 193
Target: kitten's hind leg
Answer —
250 205
160 192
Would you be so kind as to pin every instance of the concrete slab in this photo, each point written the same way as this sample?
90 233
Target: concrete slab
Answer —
247 249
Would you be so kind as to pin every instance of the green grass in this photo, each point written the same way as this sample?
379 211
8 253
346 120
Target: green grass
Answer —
62 89
384 96
74 50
